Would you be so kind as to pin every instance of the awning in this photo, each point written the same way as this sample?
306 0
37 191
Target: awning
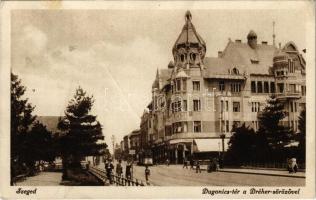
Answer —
180 141
210 145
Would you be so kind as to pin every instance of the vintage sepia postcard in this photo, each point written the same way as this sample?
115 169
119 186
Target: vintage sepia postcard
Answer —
157 99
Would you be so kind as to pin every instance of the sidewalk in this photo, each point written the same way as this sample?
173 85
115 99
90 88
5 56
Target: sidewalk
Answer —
268 172
42 179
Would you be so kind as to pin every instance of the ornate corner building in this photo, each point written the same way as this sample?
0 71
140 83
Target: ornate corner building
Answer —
196 100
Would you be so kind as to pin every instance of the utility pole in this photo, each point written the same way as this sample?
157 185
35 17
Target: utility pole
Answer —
113 141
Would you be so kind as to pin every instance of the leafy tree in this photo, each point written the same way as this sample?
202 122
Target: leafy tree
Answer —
241 145
80 131
277 136
21 119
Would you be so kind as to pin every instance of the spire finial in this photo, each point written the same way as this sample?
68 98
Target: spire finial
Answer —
188 16
273 36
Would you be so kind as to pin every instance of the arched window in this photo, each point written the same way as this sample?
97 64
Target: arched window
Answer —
235 71
182 58
193 56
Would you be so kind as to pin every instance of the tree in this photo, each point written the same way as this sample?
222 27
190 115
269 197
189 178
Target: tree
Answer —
21 119
38 145
274 136
269 124
241 145
80 131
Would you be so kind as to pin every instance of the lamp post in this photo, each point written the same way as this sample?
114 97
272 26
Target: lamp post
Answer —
222 136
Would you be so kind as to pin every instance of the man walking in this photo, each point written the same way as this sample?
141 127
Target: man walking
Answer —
185 163
147 174
191 164
108 168
119 168
198 169
128 171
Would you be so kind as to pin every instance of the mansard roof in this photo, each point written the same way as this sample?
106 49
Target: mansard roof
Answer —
242 57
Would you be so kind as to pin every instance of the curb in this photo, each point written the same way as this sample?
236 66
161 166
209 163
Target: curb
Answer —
258 173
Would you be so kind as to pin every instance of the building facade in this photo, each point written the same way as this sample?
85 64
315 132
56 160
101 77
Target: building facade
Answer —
196 100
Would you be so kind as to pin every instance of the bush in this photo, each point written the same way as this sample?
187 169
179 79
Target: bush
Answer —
79 177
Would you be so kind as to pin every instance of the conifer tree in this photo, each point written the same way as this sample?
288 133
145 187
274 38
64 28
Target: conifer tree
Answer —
80 131
241 146
276 135
21 120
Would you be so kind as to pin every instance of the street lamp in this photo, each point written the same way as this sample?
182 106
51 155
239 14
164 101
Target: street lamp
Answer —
222 136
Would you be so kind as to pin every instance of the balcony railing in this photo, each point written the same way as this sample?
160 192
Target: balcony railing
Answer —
288 94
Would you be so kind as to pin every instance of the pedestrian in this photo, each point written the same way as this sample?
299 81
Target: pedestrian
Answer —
185 163
216 165
128 170
147 174
167 162
119 168
210 166
191 164
198 169
293 165
108 168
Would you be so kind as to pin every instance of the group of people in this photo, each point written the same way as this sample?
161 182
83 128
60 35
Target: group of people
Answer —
212 166
109 167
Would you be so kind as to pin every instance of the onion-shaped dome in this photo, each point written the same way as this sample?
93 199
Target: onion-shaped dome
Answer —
252 35
280 58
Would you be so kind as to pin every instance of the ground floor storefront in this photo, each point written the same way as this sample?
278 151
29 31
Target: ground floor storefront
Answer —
179 150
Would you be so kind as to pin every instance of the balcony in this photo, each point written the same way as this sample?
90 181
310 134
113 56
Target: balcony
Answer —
288 95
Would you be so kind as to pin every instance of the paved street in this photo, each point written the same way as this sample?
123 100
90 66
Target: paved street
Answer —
175 175
42 179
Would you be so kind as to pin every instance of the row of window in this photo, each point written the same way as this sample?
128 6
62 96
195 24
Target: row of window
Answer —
234 87
256 87
179 106
255 106
182 127
262 87
236 106
181 85
193 56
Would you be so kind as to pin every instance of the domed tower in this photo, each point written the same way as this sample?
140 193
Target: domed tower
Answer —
189 49
252 39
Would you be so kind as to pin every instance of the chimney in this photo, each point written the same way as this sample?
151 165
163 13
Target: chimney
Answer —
238 41
220 53
264 42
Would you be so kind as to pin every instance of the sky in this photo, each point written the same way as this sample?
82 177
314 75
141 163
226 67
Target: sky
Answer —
114 54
